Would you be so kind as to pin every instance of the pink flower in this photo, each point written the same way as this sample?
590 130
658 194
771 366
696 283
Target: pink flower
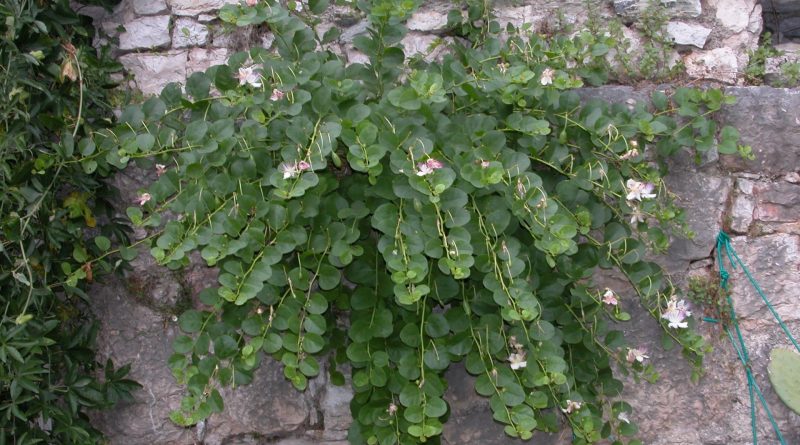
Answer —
248 76
293 169
636 355
160 169
676 313
632 153
521 189
143 199
276 95
639 190
484 164
610 298
428 167
252 2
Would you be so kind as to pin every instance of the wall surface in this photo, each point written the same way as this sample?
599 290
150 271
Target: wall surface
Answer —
757 202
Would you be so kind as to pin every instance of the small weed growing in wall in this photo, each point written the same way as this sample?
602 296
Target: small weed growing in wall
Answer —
707 294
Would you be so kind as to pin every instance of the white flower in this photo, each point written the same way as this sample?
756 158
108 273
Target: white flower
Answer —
571 406
637 216
428 167
632 153
547 76
610 298
298 5
623 416
249 76
160 169
517 360
392 409
676 313
289 170
639 190
484 164
293 169
276 95
636 355
251 2
143 199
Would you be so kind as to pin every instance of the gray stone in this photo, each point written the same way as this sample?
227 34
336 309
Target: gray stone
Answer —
201 59
777 202
703 194
769 121
335 406
188 32
741 214
154 71
145 33
350 33
631 9
133 333
148 7
720 64
734 15
196 7
683 33
782 7
431 17
471 418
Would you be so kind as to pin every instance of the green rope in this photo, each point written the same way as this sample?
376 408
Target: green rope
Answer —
724 244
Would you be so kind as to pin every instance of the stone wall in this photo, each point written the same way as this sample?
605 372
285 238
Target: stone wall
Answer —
758 202
162 41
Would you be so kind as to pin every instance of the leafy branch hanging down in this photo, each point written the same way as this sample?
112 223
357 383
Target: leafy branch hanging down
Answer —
406 216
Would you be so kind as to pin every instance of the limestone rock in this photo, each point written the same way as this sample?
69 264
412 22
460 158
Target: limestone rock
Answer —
148 7
268 406
194 8
145 33
188 32
431 17
683 33
133 333
769 121
154 71
734 15
719 64
471 418
742 206
631 9
201 59
703 211
777 202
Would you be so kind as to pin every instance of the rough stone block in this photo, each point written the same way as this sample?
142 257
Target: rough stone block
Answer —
154 71
734 15
720 64
631 9
769 121
777 202
188 32
683 33
431 17
201 59
194 8
149 7
145 33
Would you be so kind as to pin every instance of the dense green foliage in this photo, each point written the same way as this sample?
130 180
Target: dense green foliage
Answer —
50 242
402 215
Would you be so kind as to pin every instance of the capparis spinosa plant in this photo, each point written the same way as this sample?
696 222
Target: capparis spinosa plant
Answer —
398 216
